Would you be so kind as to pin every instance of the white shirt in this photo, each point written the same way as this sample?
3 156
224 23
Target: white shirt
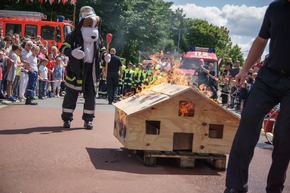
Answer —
32 60
44 71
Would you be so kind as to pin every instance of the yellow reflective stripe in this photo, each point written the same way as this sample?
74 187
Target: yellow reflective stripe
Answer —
69 78
67 110
72 79
91 112
66 44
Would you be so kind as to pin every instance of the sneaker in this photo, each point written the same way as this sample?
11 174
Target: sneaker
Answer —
11 98
22 97
57 96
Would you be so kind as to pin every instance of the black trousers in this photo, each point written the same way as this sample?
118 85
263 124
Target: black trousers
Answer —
269 89
112 84
213 88
70 100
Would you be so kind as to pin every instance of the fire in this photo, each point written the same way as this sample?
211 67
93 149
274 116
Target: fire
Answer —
121 123
186 109
172 76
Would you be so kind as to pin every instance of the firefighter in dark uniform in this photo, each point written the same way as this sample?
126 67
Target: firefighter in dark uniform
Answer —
121 85
82 46
127 79
112 73
139 77
102 94
271 87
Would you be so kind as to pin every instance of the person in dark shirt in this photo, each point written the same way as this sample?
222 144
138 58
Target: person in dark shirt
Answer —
212 82
271 87
236 68
114 72
203 72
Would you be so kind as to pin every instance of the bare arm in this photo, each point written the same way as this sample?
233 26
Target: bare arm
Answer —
255 53
120 71
104 72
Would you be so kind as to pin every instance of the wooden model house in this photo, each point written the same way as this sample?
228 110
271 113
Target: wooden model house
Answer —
174 118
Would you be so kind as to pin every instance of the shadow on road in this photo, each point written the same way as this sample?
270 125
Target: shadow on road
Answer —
123 160
41 130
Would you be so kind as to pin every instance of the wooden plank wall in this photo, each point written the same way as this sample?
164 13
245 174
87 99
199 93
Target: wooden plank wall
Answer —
167 112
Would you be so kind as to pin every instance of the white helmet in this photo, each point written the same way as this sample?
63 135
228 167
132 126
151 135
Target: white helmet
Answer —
86 11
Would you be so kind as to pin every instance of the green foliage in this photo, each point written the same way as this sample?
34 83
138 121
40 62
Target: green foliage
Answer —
142 25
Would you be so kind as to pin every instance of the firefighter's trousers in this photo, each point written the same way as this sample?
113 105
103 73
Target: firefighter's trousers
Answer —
70 101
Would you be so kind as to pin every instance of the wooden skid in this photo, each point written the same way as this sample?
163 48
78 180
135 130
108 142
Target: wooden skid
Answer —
185 159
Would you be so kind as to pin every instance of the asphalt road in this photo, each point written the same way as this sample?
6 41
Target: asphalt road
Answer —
37 155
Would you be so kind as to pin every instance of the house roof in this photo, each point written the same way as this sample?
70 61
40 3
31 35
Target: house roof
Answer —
150 97
155 95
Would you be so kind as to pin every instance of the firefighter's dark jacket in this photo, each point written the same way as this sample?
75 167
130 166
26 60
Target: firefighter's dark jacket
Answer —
75 70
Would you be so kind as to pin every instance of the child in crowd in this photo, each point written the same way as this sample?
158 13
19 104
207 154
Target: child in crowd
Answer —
3 61
50 66
225 91
58 76
224 95
233 93
11 69
42 74
243 95
32 74
16 82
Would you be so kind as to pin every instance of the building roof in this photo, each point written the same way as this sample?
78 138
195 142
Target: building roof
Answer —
158 94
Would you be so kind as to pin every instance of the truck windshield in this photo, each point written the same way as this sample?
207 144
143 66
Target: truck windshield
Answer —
47 32
13 28
192 63
30 30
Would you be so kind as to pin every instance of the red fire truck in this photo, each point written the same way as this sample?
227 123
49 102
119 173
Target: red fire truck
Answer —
191 59
31 24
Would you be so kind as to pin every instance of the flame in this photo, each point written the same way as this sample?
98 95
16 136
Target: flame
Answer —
121 123
186 109
171 75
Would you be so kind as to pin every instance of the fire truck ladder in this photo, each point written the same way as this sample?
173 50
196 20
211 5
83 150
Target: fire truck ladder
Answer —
22 15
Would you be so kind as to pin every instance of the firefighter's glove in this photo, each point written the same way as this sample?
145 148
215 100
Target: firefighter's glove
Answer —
78 53
107 58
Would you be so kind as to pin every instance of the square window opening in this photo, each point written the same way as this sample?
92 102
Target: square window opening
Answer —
152 127
216 131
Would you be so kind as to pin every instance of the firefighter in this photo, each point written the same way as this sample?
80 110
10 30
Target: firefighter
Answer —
102 93
139 77
82 46
128 79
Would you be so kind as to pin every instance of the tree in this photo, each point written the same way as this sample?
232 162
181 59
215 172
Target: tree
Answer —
137 25
142 25
203 34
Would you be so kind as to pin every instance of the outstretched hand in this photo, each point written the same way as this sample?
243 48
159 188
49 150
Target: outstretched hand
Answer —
107 58
241 77
78 53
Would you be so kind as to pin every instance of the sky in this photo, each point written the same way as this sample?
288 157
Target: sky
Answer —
243 18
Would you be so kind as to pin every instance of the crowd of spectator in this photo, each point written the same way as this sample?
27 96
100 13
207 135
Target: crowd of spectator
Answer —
30 67
16 62
233 96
